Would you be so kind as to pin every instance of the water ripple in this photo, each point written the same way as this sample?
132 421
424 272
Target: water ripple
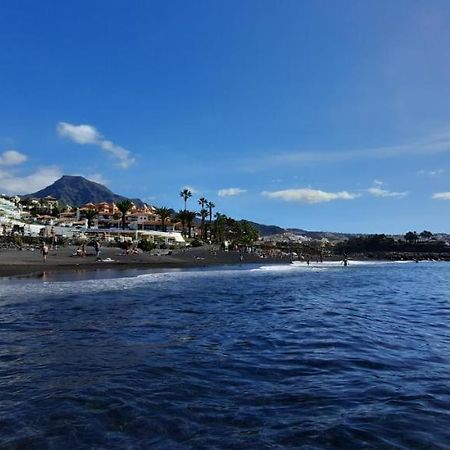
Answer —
269 358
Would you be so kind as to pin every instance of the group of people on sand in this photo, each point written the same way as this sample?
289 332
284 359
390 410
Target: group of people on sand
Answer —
81 250
54 245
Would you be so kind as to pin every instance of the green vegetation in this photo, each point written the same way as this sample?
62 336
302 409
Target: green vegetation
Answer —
124 206
411 237
190 217
216 228
164 213
244 233
186 194
90 215
426 235
382 243
146 246
181 216
237 232
210 206
203 214
196 243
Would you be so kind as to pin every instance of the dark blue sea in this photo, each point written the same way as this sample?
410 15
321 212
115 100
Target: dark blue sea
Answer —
272 357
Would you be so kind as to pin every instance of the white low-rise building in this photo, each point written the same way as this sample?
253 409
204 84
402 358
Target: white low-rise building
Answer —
8 209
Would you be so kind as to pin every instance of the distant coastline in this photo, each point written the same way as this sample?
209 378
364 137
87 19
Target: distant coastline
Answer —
19 263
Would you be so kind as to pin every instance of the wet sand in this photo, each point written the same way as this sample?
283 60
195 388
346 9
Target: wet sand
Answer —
26 262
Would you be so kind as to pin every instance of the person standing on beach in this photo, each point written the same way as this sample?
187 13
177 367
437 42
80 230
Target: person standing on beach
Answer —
97 248
44 251
53 236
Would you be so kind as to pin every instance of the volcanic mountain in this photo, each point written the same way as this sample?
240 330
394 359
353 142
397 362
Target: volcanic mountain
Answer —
76 191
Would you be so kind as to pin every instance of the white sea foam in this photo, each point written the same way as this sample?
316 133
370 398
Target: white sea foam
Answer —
351 262
326 265
289 268
20 290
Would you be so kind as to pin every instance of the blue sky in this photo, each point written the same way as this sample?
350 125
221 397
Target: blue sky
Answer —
312 114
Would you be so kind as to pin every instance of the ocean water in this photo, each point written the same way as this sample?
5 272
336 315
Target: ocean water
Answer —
272 357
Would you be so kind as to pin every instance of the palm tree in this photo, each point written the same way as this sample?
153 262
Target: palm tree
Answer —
124 206
185 194
164 214
210 206
427 235
411 237
181 216
203 214
117 216
203 202
219 227
190 216
89 214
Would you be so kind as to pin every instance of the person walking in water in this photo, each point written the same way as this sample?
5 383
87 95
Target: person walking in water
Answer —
44 251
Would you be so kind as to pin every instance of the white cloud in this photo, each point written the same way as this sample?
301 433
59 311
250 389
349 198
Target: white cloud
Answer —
435 143
12 158
307 195
441 196
378 192
87 134
120 153
11 183
431 173
230 192
81 134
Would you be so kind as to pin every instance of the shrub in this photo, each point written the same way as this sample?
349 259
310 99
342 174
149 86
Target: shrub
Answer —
145 245
196 243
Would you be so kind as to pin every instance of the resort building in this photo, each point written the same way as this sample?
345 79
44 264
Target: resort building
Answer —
38 216
9 210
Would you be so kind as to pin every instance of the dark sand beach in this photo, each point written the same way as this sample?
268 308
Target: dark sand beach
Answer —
15 262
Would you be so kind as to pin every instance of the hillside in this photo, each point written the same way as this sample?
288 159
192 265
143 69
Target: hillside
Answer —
77 190
330 235
267 230
270 230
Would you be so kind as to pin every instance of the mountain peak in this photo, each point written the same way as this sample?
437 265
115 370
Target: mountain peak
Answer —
77 190
72 177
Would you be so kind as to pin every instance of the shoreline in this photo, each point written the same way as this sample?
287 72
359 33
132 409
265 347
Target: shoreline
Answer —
25 263
22 264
